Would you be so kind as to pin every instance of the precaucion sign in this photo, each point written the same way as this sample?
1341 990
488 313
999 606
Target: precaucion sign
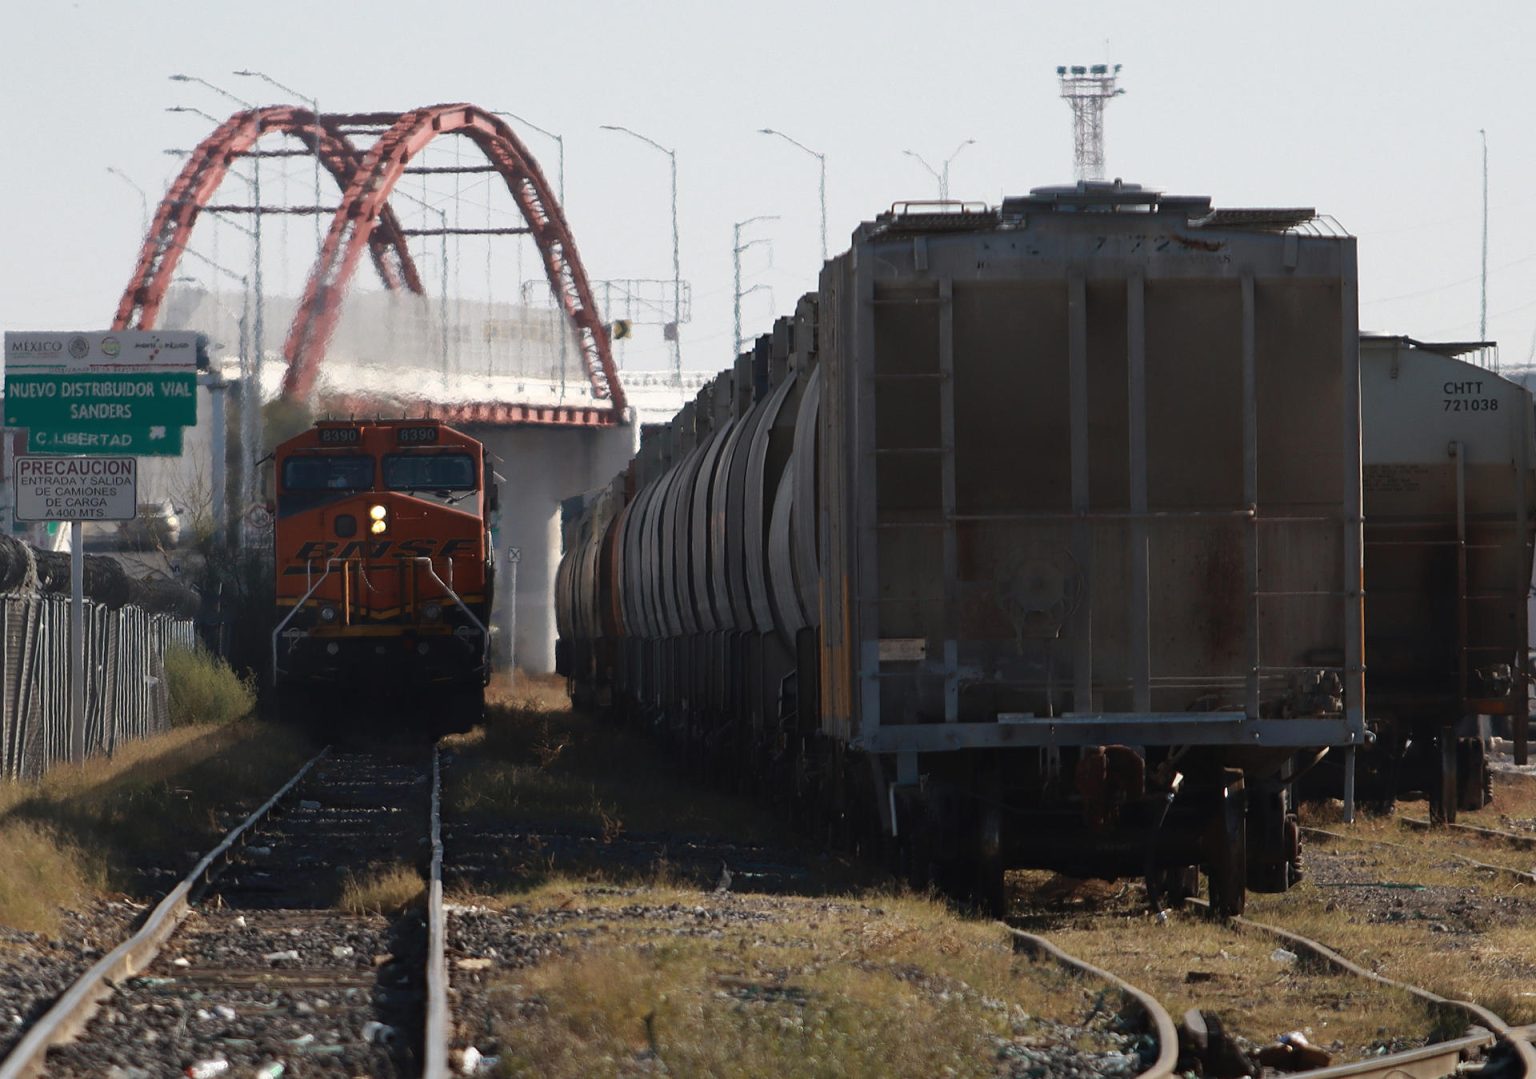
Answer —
76 488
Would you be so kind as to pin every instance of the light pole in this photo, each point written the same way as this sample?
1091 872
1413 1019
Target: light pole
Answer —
250 408
314 107
736 249
560 183
216 386
559 146
822 159
677 271
942 174
443 301
143 196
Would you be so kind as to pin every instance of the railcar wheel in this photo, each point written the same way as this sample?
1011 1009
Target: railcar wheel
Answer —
1272 839
1227 847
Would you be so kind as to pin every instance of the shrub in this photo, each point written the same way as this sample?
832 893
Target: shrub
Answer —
203 688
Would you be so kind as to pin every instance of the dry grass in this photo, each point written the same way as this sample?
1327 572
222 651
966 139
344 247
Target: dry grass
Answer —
383 889
853 987
1485 959
44 874
87 828
535 760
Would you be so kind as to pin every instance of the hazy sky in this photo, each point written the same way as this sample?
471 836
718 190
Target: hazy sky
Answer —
1368 111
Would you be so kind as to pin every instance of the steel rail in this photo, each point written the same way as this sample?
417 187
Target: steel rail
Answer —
1512 839
1507 870
437 1030
1425 1062
1157 1016
74 1008
1477 1015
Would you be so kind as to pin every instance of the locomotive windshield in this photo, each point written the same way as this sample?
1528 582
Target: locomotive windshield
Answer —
429 472
353 472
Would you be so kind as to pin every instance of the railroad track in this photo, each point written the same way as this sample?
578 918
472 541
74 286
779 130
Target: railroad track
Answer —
248 967
1487 1033
1522 841
1521 875
1155 1017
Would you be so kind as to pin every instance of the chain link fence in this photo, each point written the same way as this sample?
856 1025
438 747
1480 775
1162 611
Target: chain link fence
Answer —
125 690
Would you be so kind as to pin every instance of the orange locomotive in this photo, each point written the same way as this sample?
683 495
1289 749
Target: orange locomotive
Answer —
384 570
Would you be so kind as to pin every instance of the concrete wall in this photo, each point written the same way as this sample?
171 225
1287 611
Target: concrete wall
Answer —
540 466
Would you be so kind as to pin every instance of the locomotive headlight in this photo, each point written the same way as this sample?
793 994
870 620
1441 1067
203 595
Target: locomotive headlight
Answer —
380 519
432 611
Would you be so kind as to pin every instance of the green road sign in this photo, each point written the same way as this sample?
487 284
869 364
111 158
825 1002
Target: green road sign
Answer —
128 442
101 403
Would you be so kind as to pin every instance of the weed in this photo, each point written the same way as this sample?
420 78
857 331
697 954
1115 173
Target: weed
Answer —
203 689
382 889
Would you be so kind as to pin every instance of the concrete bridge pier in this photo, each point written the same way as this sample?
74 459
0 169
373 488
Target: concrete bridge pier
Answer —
539 466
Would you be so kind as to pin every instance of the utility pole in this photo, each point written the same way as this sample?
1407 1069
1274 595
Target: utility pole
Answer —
1086 89
737 248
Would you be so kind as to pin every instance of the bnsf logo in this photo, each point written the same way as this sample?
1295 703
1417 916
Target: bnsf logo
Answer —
321 550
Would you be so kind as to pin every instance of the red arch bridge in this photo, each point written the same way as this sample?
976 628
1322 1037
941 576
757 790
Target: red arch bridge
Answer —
546 451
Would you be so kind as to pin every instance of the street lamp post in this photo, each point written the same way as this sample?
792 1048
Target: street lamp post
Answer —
677 272
314 107
143 195
443 301
560 184
737 248
822 159
251 411
559 146
941 175
216 386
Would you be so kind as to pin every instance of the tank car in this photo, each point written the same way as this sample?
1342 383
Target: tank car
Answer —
1032 539
1447 454
384 574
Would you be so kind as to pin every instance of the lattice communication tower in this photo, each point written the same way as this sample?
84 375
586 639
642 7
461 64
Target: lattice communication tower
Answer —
1086 89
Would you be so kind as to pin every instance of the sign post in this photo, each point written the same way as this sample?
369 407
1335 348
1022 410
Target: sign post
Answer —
76 489
122 392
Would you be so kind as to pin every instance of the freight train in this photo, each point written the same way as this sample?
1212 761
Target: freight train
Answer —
1450 506
1033 538
384 572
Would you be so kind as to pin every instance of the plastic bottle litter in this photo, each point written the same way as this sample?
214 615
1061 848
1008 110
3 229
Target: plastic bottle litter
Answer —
1280 955
378 1033
207 1069
270 1071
